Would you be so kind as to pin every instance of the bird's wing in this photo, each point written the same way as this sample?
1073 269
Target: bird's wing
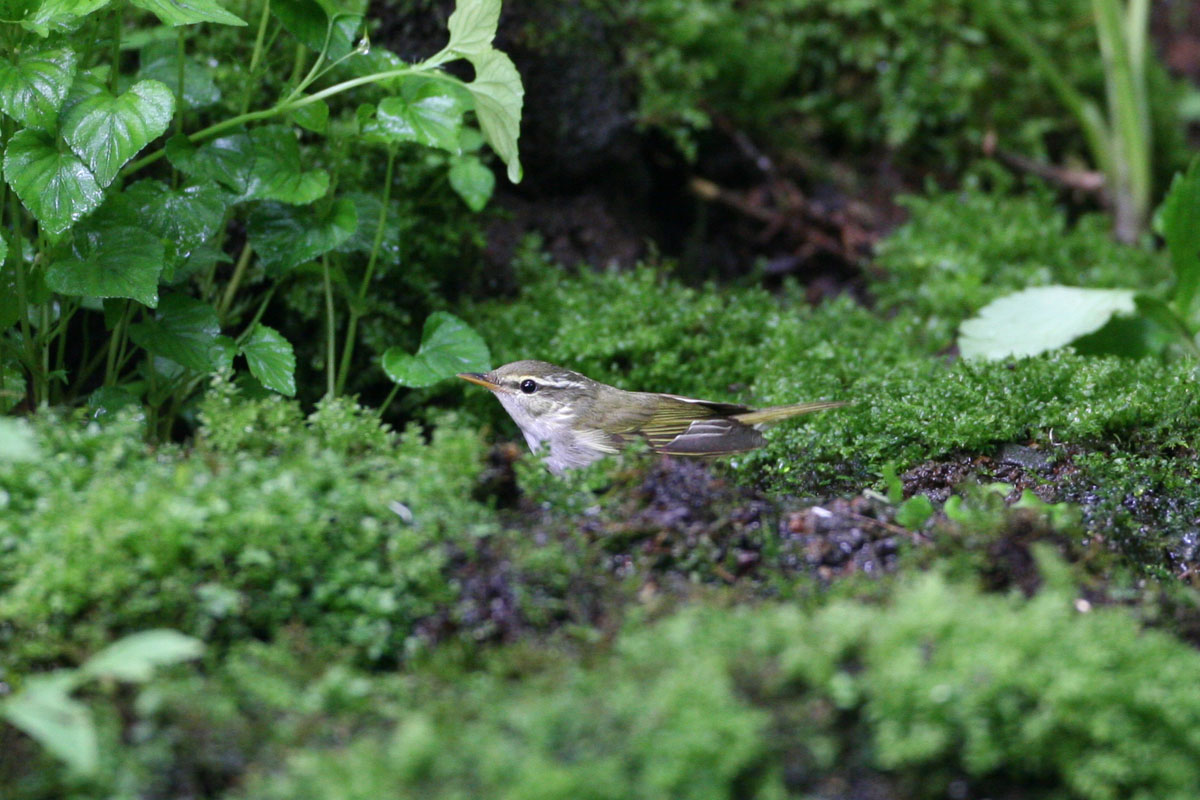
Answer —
685 426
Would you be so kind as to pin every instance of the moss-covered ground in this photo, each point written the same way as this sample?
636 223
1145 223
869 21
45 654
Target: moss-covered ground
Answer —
428 613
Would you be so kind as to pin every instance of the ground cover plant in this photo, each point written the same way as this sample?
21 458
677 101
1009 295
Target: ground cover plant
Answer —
333 573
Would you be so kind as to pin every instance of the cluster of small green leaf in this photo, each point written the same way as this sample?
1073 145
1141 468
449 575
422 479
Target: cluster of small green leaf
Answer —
942 690
919 75
114 270
331 523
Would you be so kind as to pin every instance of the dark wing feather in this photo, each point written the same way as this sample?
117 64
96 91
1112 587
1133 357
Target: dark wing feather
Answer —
683 426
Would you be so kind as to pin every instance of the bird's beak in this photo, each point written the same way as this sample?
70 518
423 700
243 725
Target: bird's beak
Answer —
481 380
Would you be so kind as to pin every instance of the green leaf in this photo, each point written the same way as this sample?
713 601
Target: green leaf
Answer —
34 86
914 512
185 331
59 14
186 217
472 181
310 21
1181 229
55 186
1035 320
271 360
45 710
108 400
312 116
473 26
106 131
432 116
133 658
160 61
498 97
187 12
448 346
263 164
115 262
286 236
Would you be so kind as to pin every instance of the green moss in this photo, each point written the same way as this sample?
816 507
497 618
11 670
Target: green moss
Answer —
941 687
329 523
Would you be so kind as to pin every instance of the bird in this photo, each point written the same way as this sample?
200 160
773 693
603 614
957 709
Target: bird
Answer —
571 420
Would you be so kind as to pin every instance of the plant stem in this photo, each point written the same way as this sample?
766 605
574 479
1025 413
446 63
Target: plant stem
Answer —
376 246
330 354
257 54
114 344
257 315
116 50
387 401
239 271
179 74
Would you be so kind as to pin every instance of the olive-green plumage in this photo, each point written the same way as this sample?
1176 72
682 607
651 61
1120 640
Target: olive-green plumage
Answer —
575 420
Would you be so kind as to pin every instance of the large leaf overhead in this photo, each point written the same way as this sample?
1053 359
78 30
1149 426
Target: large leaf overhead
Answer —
114 262
188 12
52 182
448 346
34 85
106 131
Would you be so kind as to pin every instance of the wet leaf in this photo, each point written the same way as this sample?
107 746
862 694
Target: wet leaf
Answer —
1181 229
263 164
498 97
448 346
55 186
271 360
106 131
57 14
432 116
186 331
188 12
34 85
287 236
114 262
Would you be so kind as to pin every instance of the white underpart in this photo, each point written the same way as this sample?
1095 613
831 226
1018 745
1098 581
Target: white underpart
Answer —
554 439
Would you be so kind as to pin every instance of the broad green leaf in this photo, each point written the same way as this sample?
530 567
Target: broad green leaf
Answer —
367 207
432 116
186 217
55 186
35 84
498 97
312 116
45 710
1181 229
263 164
108 400
12 391
1036 320
187 12
271 360
133 658
473 26
309 21
376 60
185 331
160 61
473 182
17 439
448 346
114 262
286 236
59 14
106 131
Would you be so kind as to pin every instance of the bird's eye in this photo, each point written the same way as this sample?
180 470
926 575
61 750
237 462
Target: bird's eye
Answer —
528 386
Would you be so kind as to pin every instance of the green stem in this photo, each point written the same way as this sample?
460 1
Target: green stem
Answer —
116 50
285 106
376 246
257 54
387 401
257 316
179 74
331 350
115 345
239 272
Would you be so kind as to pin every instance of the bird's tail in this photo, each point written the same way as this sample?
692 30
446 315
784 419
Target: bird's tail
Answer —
775 413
